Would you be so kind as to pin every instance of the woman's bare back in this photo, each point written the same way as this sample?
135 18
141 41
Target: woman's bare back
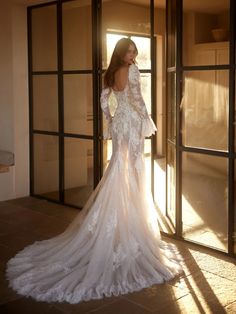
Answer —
121 78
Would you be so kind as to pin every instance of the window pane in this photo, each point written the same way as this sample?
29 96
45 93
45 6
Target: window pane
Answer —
46 166
171 33
205 109
44 38
77 35
45 102
171 183
204 199
205 32
111 40
171 106
144 51
122 19
78 104
143 45
78 170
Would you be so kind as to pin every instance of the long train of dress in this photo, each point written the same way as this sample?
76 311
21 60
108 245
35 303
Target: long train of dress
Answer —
113 246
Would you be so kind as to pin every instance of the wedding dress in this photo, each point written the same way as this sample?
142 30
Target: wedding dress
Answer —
113 245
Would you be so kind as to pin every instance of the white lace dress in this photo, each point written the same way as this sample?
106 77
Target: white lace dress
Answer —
113 245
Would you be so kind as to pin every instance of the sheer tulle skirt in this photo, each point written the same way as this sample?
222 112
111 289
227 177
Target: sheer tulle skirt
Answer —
113 246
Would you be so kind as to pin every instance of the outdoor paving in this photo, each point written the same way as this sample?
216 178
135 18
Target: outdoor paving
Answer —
208 284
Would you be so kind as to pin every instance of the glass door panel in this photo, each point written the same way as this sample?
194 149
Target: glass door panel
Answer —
205 199
61 92
108 47
160 139
205 107
144 48
45 102
78 101
171 106
78 170
205 32
171 33
78 104
121 19
44 35
77 35
171 187
46 166
198 130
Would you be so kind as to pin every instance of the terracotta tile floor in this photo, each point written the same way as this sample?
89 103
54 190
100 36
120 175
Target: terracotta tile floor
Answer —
207 286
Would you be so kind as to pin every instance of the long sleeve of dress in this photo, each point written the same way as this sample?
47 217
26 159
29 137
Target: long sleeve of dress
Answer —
105 94
137 101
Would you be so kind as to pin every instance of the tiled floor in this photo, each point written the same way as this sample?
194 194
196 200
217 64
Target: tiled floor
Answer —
208 285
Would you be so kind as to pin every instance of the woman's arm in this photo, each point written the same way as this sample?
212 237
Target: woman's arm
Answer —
105 108
137 101
104 103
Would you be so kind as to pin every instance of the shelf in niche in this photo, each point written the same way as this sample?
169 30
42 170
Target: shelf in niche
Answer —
213 45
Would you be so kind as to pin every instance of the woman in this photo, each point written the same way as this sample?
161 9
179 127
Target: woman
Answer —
113 246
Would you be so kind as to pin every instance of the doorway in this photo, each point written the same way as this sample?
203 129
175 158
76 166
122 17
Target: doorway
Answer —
201 121
143 44
69 48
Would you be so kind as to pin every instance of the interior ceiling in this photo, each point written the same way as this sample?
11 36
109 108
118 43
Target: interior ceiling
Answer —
189 5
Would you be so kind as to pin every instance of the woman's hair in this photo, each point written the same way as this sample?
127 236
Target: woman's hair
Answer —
117 60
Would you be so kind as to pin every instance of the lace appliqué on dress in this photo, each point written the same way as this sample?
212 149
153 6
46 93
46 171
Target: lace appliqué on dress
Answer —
91 225
112 223
118 256
136 100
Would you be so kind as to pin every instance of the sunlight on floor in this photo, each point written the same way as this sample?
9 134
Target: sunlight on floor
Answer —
204 292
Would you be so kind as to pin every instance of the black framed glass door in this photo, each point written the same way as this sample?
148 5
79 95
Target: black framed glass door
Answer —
63 114
201 121
66 62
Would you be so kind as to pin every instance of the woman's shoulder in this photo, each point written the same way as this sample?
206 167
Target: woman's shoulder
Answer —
122 71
